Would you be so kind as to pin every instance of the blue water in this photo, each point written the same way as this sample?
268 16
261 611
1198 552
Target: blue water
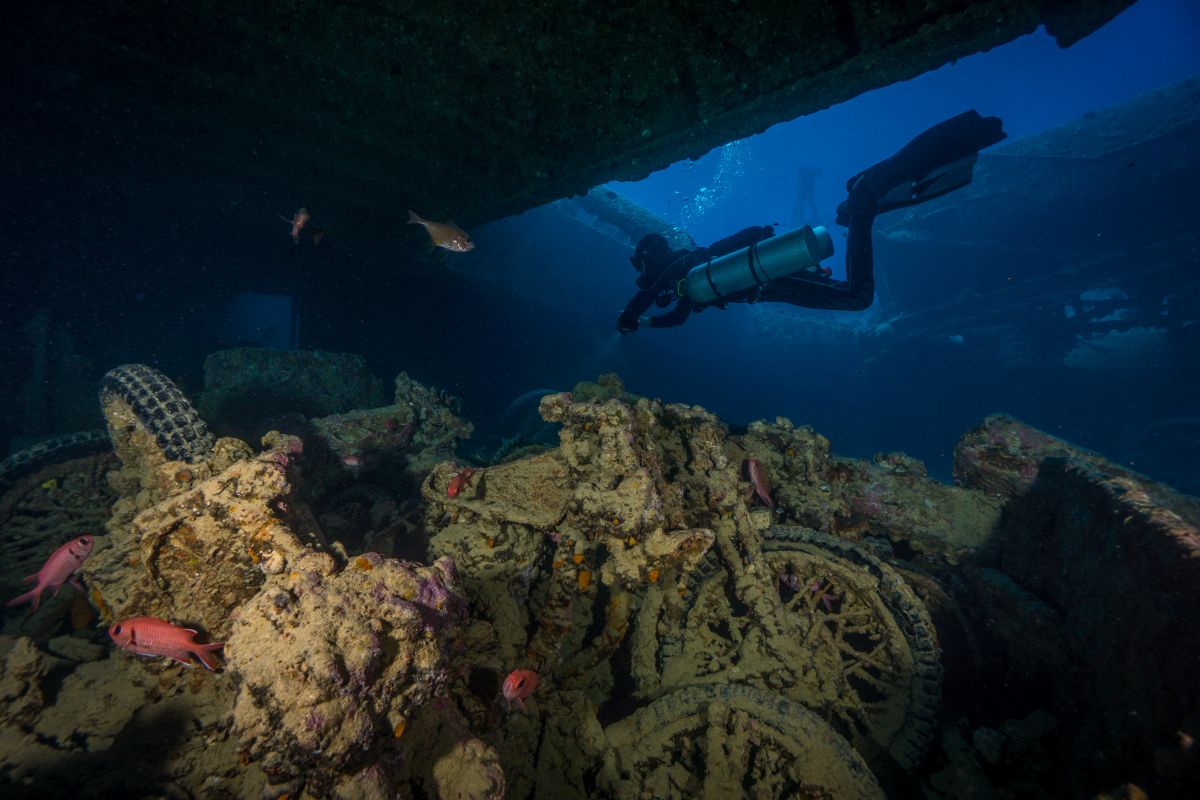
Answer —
1031 83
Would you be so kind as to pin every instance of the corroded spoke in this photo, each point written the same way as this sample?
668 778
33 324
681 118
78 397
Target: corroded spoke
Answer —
884 687
872 709
850 660
726 751
872 651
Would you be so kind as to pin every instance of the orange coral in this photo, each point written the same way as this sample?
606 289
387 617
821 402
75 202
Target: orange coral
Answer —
98 601
83 616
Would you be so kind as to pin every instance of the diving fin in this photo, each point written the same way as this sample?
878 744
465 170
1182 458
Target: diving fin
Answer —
935 183
934 163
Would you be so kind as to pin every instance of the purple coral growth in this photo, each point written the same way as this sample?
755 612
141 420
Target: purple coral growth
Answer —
432 619
404 605
309 582
870 503
1029 438
366 731
379 592
314 720
404 437
361 676
449 569
432 593
825 592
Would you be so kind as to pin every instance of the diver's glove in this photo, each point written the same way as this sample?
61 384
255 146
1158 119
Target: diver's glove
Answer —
626 324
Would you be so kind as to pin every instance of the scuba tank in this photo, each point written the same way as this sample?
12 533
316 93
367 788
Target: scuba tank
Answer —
763 261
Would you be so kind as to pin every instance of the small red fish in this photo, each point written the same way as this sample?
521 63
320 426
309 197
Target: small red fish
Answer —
354 460
297 222
460 481
444 234
758 479
59 567
151 636
519 684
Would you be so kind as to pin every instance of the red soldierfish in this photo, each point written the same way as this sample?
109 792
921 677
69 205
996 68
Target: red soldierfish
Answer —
58 568
758 479
151 636
297 222
460 481
519 684
444 234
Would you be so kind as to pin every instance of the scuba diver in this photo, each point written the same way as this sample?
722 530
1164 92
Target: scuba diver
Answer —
753 265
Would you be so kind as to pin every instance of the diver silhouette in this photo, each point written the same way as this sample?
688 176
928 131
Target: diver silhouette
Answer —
753 265
806 196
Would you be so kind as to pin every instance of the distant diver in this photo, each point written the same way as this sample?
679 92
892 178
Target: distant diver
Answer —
806 196
753 265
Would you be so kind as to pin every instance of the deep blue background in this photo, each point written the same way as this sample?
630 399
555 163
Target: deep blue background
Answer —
1031 83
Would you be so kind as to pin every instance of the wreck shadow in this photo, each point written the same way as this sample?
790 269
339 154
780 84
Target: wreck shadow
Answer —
131 767
1084 603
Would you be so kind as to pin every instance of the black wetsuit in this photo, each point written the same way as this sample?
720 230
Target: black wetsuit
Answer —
810 290
937 161
660 280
